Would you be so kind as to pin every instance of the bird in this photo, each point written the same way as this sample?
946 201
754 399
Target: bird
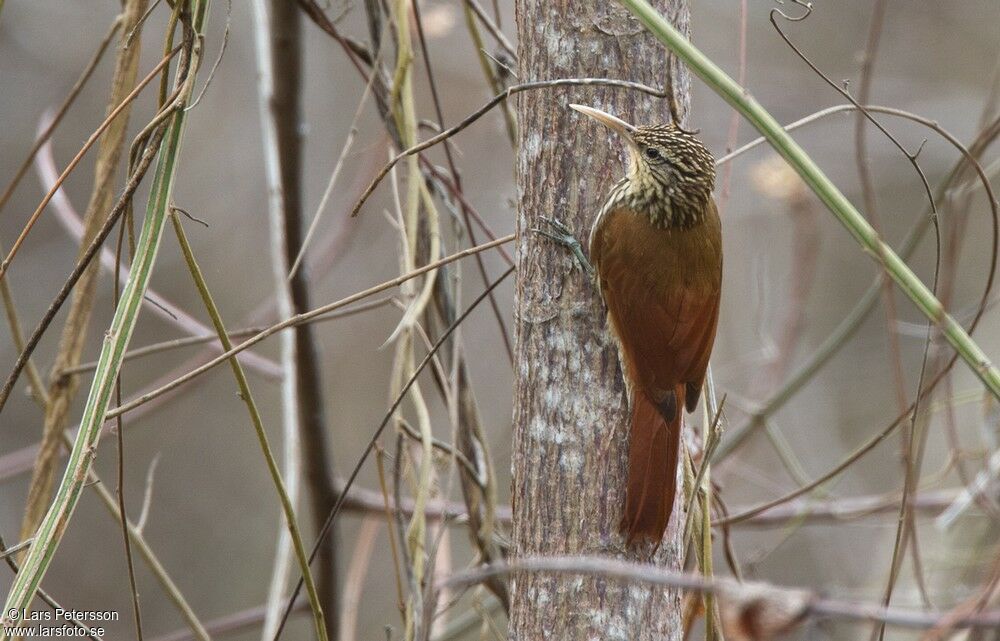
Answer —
656 255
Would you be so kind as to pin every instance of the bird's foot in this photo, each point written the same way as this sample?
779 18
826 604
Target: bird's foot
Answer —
557 231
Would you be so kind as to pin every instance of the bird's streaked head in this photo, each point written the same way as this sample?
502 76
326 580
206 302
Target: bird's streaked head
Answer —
671 174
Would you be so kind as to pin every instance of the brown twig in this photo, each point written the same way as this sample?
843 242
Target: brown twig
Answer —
457 181
853 321
108 159
5 265
286 114
7 557
479 113
81 265
166 309
388 416
751 600
906 524
230 623
912 444
492 27
60 112
357 570
734 119
298 319
201 339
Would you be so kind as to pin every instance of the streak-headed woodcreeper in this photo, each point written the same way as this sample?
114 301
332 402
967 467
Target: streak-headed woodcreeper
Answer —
656 250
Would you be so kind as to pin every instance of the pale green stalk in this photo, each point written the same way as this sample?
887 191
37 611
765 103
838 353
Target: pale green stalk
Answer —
827 192
405 114
116 340
39 391
287 507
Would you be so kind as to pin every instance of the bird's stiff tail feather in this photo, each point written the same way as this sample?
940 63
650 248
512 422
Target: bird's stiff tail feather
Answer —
652 466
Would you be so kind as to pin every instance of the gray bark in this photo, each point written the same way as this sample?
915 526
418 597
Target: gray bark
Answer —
570 424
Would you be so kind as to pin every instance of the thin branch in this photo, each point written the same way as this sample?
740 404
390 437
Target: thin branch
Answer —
72 339
734 119
283 136
17 547
230 623
357 571
134 531
288 509
42 594
847 509
457 181
5 265
853 320
388 415
864 449
911 460
321 207
187 341
479 113
749 599
492 27
160 305
82 263
298 319
72 346
53 526
492 78
61 111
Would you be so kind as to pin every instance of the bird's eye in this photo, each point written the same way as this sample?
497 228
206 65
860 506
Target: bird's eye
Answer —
652 153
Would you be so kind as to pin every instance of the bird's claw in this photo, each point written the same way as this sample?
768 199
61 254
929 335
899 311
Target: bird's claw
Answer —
560 227
563 235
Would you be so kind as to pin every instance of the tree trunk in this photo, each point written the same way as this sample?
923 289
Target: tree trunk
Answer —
570 429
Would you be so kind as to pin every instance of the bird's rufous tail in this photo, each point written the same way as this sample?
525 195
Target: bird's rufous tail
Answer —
652 467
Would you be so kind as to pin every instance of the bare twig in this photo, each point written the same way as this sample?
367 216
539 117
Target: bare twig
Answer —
298 319
17 547
911 460
8 558
321 207
5 265
291 445
236 622
749 599
493 102
389 414
44 136
734 119
187 341
160 305
288 509
496 85
81 265
457 181
282 123
357 570
492 27
853 320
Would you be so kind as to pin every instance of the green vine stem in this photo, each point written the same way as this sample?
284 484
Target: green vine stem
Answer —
827 192
116 340
247 397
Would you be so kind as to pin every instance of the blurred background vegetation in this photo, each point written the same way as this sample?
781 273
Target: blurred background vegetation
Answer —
791 275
